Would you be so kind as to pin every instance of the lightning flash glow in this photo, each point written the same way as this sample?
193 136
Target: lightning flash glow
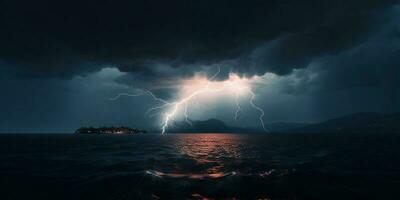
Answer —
198 89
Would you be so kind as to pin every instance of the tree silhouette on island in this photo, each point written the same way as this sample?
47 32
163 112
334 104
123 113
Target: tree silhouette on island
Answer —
109 130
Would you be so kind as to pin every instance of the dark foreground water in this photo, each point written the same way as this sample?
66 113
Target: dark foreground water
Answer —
202 166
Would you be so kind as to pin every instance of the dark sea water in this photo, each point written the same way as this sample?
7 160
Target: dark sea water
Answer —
200 166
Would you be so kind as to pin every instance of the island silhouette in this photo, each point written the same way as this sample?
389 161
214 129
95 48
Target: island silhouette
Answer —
109 130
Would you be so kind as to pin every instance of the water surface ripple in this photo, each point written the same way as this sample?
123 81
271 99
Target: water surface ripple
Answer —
200 166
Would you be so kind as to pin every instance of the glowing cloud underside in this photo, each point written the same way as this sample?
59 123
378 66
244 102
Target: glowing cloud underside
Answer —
197 89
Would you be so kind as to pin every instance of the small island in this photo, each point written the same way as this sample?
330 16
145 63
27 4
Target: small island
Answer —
109 130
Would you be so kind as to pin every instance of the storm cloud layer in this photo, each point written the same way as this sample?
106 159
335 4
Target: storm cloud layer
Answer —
67 37
323 53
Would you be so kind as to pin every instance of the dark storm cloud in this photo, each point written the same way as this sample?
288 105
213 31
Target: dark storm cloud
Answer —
362 78
59 59
375 62
297 50
62 38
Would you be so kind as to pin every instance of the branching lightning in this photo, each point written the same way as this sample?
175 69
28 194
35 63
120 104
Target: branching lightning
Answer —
261 117
238 108
186 115
124 94
182 104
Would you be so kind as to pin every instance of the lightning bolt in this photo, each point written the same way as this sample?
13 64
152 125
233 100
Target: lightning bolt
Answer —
238 108
186 115
124 94
184 103
261 117
144 92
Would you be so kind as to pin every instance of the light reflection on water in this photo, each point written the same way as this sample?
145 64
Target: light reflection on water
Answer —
198 166
216 156
211 150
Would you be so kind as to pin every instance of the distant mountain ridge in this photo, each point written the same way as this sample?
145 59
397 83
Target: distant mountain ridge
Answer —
218 126
353 123
356 123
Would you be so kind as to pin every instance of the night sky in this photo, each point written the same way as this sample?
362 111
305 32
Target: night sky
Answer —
61 61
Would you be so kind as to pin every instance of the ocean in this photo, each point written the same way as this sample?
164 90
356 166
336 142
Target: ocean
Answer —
200 166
